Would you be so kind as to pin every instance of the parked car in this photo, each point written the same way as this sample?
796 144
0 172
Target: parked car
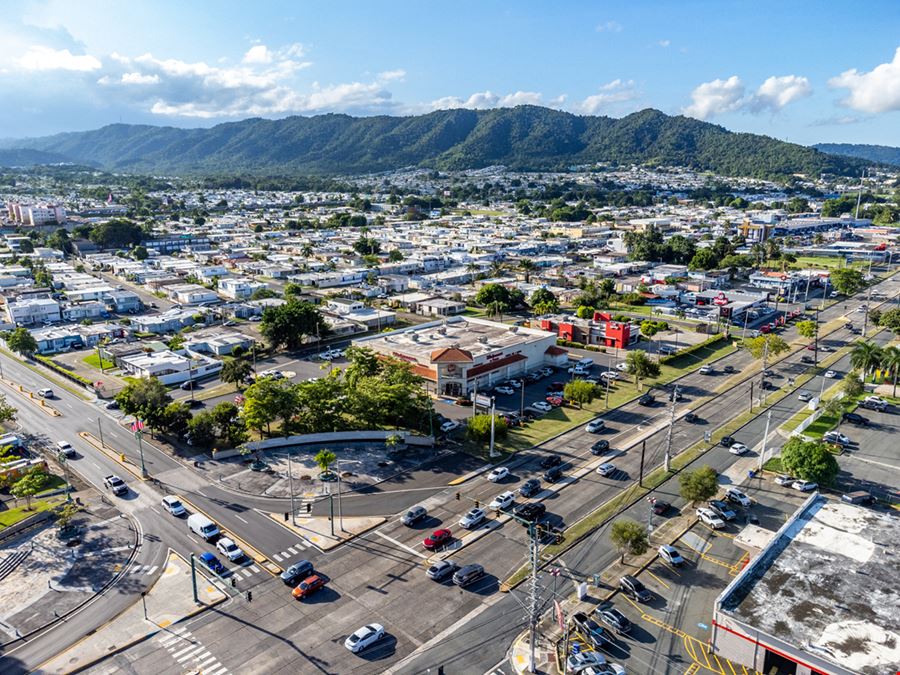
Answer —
784 479
229 549
875 403
502 501
551 461
472 519
709 518
506 391
721 509
530 511
515 384
861 497
615 620
441 570
543 406
804 485
599 447
634 589
556 387
728 369
553 474
364 637
437 539
671 555
606 469
591 631
297 572
449 426
112 405
593 663
187 386
738 449
498 473
660 507
212 563
595 426
737 497
530 487
706 370
173 505
308 586
836 437
856 418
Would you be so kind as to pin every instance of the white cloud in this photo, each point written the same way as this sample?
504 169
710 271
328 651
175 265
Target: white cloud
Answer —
716 97
611 93
139 78
609 27
389 75
258 54
664 43
487 99
39 57
777 92
876 91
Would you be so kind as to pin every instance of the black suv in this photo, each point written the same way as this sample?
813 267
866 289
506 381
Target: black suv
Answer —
530 487
551 461
726 442
553 474
647 399
807 359
530 511
634 589
615 620
856 418
728 369
600 447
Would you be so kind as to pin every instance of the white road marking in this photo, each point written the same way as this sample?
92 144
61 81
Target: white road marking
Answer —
153 508
254 568
97 465
241 519
277 557
247 573
190 654
152 569
401 545
293 550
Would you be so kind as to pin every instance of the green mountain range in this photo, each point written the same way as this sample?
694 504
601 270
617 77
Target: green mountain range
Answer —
883 154
521 138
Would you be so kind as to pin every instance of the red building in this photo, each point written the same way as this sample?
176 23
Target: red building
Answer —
601 330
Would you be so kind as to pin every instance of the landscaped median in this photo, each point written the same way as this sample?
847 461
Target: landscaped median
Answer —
11 517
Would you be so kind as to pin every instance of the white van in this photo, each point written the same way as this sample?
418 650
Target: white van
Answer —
45 393
202 526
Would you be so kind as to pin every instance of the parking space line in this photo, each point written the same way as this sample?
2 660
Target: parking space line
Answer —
658 579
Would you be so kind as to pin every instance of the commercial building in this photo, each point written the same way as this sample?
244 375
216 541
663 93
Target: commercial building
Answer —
820 598
31 310
599 330
35 214
458 355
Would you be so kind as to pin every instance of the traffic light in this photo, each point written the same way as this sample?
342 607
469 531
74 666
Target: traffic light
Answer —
233 582
286 515
457 497
309 507
249 596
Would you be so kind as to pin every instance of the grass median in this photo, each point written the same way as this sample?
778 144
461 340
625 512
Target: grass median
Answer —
12 516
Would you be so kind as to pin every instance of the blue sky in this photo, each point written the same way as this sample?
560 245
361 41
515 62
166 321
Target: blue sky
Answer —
805 71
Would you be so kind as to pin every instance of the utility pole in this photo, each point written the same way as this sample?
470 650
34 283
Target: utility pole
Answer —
191 374
491 453
641 474
866 315
669 430
533 593
522 402
762 379
762 452
340 498
100 428
62 459
816 341
291 487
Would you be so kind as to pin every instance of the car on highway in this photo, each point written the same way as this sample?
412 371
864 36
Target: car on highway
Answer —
634 589
591 631
467 575
542 406
449 426
728 369
646 399
65 449
709 518
530 511
830 374
116 484
502 501
413 515
691 418
437 539
550 461
804 396
721 509
530 487
506 391
364 637
599 447
726 442
607 469
297 572
615 620
856 418
735 496
173 505
595 426
675 394
229 549
807 359
212 563
804 485
498 473
738 449
308 586
45 393
472 519
660 507
671 555
441 570
836 437
553 474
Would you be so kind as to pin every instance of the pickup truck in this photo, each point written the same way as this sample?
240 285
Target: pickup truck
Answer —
116 484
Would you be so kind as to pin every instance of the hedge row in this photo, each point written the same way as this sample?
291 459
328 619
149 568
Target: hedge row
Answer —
75 377
694 348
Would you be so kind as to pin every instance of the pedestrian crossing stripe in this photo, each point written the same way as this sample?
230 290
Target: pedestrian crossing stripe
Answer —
184 648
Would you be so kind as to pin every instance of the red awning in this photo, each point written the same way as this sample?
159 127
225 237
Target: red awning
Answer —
494 365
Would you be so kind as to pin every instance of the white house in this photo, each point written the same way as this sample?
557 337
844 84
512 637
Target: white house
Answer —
27 311
171 367
237 288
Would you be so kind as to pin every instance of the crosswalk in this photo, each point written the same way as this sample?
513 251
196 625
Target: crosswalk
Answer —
189 653
143 569
292 551
245 572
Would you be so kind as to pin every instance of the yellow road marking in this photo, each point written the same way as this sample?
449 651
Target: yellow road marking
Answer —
693 669
658 579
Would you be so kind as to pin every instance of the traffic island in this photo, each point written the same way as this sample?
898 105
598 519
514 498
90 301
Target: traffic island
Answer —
167 602
318 529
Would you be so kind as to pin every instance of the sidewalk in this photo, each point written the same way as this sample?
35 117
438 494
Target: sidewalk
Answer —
317 529
167 602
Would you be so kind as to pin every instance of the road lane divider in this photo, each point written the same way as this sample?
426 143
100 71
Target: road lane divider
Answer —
118 457
29 395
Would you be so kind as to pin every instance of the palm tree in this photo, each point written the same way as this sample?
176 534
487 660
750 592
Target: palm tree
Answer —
496 309
472 269
324 459
866 356
497 268
306 250
236 371
891 361
641 366
527 265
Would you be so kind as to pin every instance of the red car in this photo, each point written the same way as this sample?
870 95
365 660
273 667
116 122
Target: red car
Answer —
555 401
437 538
308 586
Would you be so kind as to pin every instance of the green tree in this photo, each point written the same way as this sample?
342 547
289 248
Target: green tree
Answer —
117 233
7 454
146 399
202 429
852 385
629 537
29 485
866 356
639 364
890 320
367 246
807 329
266 401
21 341
229 425
324 459
766 346
527 265
493 293
176 417
704 259
585 312
236 371
847 280
580 391
7 411
698 485
363 362
140 253
478 428
65 513
832 408
291 323
395 255
809 460
891 362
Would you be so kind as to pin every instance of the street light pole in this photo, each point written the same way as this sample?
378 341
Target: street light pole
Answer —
100 428
291 488
340 498
138 435
61 458
762 452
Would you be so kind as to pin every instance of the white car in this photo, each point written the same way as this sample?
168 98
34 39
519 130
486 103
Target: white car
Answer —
173 505
622 367
705 370
515 384
505 390
836 437
65 449
671 555
830 374
472 519
606 469
738 497
364 637
738 449
547 372
581 661
784 479
709 518
502 501
449 426
804 485
609 375
595 426
543 406
229 549
804 396
498 474
877 400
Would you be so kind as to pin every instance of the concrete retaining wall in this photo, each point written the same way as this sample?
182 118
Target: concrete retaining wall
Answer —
330 437
30 521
